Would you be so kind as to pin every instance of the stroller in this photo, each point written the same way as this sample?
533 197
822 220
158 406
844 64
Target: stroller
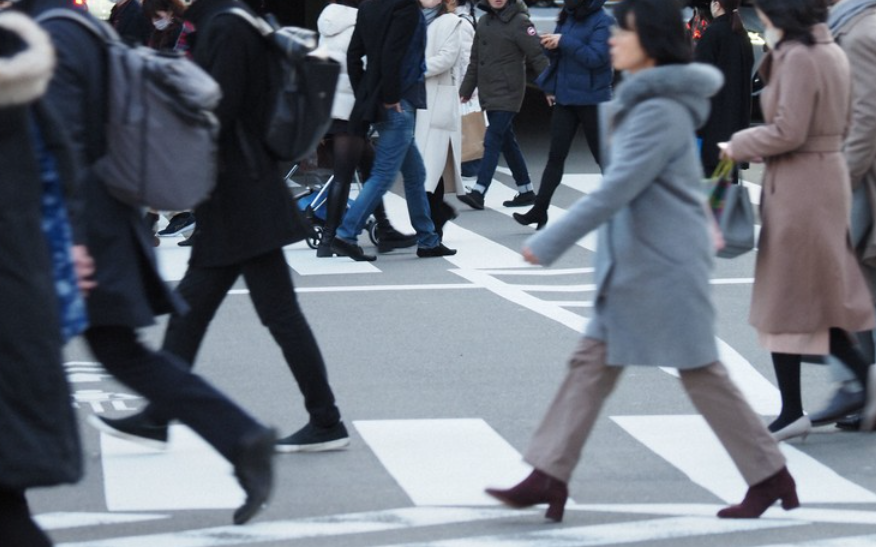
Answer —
312 202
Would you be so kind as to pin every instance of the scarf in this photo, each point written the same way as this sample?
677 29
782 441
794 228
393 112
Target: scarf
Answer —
431 14
847 10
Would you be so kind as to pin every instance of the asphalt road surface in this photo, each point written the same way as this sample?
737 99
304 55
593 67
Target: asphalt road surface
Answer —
442 369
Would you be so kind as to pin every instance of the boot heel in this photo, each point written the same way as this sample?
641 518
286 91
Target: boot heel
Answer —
790 501
555 510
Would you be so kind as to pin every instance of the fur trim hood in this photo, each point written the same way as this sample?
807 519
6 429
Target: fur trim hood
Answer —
692 85
24 74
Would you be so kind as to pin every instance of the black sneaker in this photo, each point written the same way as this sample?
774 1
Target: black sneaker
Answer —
521 200
137 428
344 248
187 242
475 200
179 223
311 438
439 250
389 239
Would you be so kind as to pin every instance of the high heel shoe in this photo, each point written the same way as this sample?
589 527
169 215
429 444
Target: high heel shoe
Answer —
762 495
537 488
801 427
536 216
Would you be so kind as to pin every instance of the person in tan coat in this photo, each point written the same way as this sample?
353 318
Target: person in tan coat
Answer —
809 293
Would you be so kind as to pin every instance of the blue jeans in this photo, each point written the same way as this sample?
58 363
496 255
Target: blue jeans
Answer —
500 138
396 150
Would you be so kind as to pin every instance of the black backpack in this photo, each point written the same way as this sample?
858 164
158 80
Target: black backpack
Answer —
301 105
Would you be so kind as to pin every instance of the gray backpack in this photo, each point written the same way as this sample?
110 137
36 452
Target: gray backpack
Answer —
161 130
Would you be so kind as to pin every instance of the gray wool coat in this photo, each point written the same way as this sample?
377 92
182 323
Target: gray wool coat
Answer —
654 256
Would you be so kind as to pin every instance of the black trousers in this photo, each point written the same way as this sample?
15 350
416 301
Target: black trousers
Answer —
270 288
173 391
565 120
17 527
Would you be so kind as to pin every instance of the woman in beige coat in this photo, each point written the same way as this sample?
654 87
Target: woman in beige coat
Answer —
809 293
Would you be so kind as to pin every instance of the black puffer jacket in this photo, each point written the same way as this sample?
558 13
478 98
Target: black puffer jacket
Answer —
39 443
506 46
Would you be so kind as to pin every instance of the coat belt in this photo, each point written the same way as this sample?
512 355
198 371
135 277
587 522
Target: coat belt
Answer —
823 143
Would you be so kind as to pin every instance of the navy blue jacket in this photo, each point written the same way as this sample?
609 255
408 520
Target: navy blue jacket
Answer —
580 71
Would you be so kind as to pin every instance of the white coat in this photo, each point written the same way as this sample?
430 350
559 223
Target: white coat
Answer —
336 24
439 131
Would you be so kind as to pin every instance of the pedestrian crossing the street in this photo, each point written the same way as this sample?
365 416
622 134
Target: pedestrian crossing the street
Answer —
441 465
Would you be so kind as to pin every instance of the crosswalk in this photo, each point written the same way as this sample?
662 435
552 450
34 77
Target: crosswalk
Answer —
442 465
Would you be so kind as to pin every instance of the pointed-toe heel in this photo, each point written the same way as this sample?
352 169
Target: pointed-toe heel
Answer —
762 495
801 427
537 488
533 216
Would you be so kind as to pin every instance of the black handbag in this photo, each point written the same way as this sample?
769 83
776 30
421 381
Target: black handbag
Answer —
733 211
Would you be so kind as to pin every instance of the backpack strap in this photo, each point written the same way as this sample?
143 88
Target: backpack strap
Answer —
103 31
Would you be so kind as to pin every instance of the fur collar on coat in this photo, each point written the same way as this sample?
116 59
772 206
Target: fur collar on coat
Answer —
692 85
25 73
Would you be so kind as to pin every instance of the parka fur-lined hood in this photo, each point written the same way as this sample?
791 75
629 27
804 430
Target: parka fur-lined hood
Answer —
25 71
692 85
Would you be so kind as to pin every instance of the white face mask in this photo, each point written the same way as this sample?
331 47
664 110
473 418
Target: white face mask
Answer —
161 24
772 36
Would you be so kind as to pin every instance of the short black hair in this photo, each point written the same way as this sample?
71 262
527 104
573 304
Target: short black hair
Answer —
795 17
660 28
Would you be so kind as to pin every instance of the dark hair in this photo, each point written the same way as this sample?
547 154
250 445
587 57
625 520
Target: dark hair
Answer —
349 3
731 7
152 7
660 28
795 17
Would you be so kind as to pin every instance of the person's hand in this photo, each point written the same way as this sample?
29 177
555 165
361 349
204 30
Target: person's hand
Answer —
551 99
394 106
83 266
550 41
529 256
464 99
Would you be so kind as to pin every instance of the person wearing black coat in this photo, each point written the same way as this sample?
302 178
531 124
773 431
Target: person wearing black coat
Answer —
128 20
39 440
129 291
244 225
725 44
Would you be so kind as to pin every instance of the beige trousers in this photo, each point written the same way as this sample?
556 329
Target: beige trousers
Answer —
557 443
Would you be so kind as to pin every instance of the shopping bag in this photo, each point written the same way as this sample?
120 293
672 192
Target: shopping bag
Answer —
733 212
474 127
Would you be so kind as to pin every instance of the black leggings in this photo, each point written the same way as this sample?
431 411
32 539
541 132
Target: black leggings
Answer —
787 367
565 120
17 527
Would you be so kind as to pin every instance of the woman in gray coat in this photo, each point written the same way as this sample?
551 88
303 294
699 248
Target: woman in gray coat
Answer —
653 261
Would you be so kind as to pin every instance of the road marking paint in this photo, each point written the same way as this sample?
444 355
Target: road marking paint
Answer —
762 395
804 514
173 261
476 251
689 444
375 288
317 527
189 475
736 281
444 462
303 260
856 541
541 271
613 534
555 288
513 294
61 521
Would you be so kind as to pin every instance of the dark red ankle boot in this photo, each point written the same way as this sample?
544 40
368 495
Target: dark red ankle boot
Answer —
537 488
762 495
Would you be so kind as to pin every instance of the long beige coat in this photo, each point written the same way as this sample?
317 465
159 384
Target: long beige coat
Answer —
439 130
806 278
